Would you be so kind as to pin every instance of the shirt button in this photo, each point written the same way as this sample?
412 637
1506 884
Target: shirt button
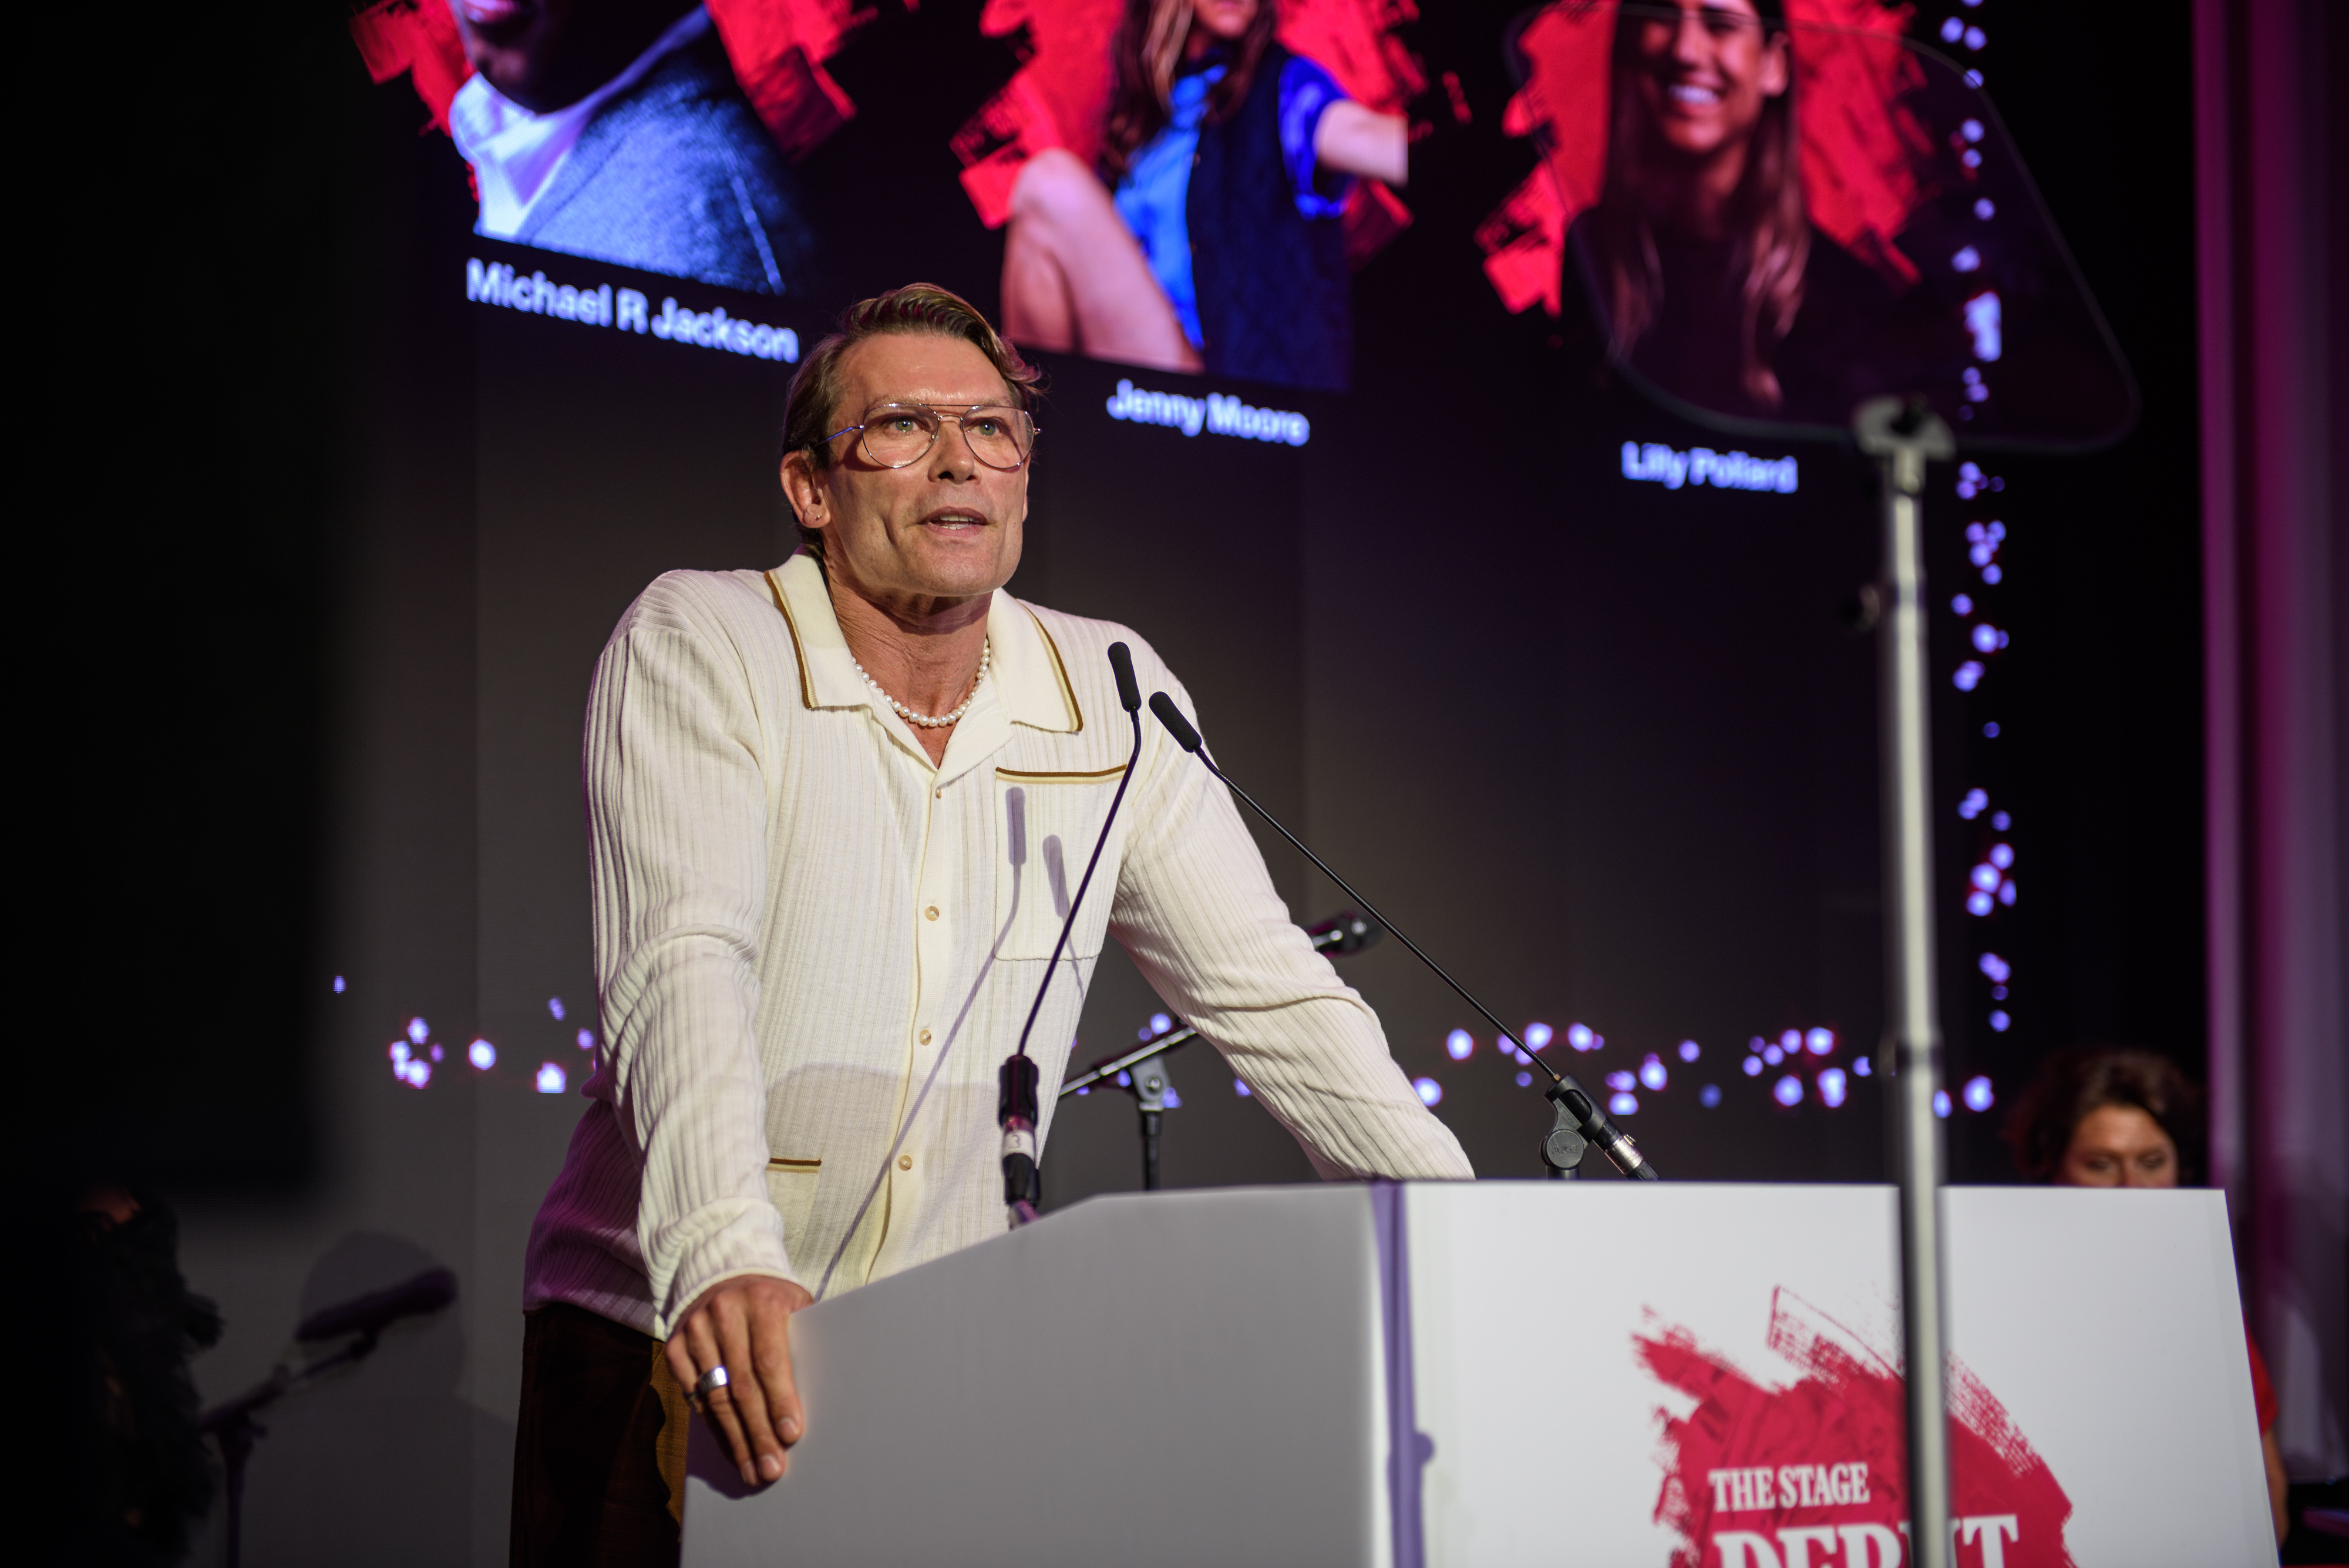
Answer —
931 913
926 1036
904 1162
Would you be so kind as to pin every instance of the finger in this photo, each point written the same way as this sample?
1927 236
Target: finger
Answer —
681 1361
750 1400
770 1350
718 1407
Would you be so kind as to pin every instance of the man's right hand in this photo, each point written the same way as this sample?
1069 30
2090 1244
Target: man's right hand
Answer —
741 1324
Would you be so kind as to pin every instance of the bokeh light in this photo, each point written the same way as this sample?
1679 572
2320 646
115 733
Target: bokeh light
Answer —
1788 1090
549 1078
483 1054
1691 1051
1430 1092
1623 1105
1831 1087
1458 1044
1977 1093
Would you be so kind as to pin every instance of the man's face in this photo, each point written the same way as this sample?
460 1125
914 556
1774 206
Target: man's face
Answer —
945 528
1705 74
544 54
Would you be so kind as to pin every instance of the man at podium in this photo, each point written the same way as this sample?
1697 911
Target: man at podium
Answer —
837 812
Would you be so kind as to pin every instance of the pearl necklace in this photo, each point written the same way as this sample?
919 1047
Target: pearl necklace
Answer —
933 721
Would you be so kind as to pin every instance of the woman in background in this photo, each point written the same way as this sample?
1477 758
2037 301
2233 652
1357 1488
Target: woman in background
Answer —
1700 256
2099 1118
1209 238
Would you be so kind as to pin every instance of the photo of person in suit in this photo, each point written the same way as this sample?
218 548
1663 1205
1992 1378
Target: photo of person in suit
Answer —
615 129
1208 237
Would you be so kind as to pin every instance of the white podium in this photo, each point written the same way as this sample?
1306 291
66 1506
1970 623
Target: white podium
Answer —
1509 1373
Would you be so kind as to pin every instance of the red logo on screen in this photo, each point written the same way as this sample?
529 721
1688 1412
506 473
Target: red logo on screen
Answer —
1813 1475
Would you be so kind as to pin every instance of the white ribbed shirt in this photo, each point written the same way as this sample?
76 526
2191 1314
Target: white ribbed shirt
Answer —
815 948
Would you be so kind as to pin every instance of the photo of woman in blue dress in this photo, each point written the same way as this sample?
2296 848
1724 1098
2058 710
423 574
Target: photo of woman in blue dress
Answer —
1209 239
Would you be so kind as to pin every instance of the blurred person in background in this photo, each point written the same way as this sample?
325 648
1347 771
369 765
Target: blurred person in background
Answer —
1211 237
138 1476
614 129
2097 1116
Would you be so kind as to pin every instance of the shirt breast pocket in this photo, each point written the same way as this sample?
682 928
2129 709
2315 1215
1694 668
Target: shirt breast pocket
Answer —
791 1187
1046 824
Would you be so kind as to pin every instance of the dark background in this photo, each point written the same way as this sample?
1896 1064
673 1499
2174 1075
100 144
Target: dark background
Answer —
334 318
352 544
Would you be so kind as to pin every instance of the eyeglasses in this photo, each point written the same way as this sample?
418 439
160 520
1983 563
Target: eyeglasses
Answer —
895 435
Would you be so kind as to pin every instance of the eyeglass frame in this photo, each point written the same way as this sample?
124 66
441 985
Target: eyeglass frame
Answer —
942 413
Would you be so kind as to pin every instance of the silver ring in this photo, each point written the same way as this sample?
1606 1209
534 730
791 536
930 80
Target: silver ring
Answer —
714 1378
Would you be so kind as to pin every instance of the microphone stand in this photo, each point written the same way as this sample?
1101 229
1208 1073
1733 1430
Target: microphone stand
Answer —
231 1422
1577 1115
1343 933
1017 1107
1901 434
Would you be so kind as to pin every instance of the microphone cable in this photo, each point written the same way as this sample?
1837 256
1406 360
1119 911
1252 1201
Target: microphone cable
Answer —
1564 1092
1018 1105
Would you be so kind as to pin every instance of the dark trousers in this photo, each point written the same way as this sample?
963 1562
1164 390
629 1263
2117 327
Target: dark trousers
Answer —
599 1452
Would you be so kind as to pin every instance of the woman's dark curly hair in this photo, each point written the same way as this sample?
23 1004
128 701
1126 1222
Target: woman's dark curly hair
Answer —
2088 1077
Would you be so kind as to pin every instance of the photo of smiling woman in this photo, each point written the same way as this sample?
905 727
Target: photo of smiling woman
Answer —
1708 276
1209 238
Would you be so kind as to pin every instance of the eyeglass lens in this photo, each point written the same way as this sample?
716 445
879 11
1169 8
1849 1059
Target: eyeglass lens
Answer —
898 433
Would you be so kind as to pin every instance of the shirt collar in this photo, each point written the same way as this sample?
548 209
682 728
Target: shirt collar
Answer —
515 152
1030 680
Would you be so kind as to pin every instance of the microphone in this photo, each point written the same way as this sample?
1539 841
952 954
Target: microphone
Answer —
1574 1104
1340 934
1019 1099
370 1315
1345 933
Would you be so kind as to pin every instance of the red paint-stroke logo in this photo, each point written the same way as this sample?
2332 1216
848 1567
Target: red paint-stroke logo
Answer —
1813 1475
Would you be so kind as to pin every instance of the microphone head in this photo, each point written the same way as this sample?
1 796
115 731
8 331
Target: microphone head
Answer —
1176 725
427 1292
1346 932
1120 660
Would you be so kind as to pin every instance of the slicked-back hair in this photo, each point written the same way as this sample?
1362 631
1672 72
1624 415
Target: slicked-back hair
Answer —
813 412
2087 1078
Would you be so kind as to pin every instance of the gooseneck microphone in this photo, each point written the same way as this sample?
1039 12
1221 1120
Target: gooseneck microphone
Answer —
1018 1103
1579 1119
